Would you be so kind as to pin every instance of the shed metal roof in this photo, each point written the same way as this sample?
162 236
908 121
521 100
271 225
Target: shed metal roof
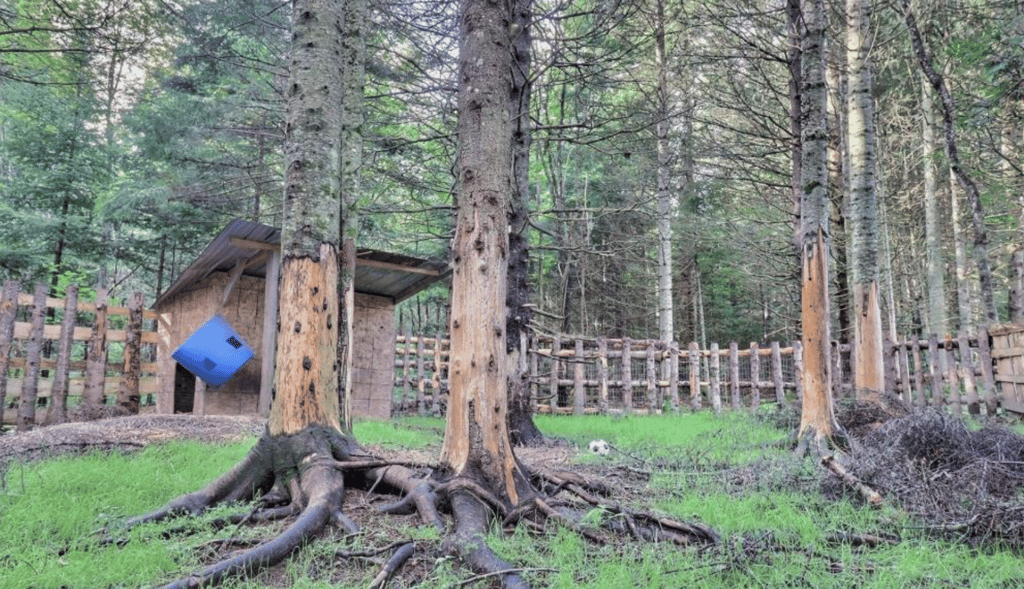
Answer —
378 273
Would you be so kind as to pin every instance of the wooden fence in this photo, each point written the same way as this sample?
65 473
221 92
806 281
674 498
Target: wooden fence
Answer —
59 353
573 375
56 353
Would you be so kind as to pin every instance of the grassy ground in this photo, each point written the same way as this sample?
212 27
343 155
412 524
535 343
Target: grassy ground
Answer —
778 527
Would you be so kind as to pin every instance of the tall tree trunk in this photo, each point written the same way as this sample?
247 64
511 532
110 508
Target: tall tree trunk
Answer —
869 373
794 20
297 459
666 330
522 430
985 279
476 444
964 300
935 270
352 73
817 421
839 198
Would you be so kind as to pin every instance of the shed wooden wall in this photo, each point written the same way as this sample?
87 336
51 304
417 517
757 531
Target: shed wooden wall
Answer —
190 310
373 334
373 358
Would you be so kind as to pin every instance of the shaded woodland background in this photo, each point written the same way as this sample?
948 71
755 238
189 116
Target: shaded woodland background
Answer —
132 131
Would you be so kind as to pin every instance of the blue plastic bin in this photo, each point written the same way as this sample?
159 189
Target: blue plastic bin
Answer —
214 352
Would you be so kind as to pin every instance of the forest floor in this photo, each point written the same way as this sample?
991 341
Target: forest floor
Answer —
953 512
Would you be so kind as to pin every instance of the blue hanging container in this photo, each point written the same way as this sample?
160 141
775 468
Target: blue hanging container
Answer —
214 352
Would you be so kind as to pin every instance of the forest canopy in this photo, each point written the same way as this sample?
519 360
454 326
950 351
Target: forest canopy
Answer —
131 132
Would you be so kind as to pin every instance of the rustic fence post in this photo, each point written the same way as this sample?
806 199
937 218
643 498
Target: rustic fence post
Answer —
579 393
798 370
905 388
652 380
128 393
714 378
406 391
919 394
96 364
435 380
694 354
967 367
935 370
602 375
8 313
556 347
673 375
988 380
421 377
755 376
59 392
535 362
33 355
954 380
734 375
780 391
627 375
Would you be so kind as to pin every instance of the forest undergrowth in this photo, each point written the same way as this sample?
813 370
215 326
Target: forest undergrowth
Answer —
952 514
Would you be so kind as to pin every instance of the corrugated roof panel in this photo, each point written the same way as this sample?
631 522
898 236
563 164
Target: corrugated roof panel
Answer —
379 273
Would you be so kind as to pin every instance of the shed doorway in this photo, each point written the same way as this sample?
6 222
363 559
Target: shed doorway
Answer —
184 389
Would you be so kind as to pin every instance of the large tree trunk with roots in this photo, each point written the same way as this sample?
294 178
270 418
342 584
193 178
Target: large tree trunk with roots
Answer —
818 424
477 448
295 466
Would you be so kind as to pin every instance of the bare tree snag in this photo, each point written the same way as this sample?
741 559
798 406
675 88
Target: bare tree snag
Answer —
817 421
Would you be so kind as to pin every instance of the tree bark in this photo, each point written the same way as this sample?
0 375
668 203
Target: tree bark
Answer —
869 373
522 429
476 442
936 273
817 420
666 331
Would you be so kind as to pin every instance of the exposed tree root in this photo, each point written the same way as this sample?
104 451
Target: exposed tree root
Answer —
467 540
305 476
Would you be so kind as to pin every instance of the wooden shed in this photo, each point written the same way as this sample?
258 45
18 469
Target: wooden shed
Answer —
230 279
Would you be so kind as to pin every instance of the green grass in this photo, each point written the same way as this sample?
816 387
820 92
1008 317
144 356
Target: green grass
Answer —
778 529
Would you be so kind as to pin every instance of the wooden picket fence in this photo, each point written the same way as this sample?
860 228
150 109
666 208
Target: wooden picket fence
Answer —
57 354
576 375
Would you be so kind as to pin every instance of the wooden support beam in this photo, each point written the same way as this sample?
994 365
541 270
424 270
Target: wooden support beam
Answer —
235 274
268 350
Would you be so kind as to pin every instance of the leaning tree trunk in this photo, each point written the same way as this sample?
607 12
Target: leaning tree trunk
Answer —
924 60
817 421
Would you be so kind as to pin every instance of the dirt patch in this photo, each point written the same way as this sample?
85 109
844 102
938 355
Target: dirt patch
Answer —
123 433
